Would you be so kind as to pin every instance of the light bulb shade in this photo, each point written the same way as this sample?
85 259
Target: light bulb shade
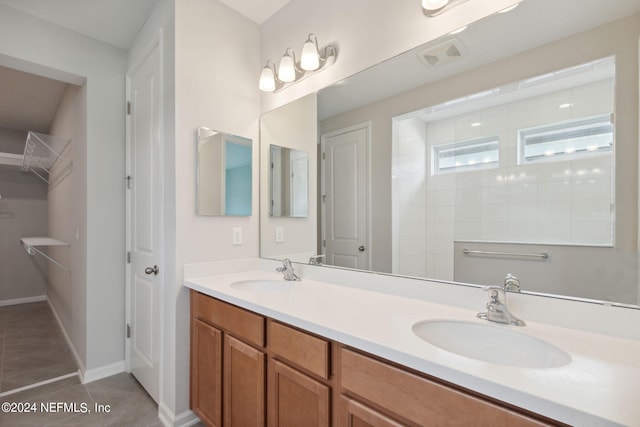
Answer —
433 5
287 69
267 80
310 58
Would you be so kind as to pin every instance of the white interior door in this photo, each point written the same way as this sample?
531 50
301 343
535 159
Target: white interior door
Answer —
145 222
299 183
345 195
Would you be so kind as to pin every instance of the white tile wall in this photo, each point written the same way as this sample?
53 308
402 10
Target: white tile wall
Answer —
565 201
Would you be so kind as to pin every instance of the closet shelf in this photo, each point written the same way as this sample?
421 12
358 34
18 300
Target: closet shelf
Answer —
43 153
30 245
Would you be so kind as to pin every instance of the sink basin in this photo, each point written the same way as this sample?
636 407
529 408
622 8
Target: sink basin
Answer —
263 285
489 343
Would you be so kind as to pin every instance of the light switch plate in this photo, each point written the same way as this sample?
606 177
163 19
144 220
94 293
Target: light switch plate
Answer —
279 234
237 235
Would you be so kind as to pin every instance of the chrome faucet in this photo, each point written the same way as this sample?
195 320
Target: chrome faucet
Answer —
511 283
497 310
287 270
316 260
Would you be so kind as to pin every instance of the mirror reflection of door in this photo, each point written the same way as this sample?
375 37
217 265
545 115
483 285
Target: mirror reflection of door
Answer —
224 174
289 182
299 181
345 182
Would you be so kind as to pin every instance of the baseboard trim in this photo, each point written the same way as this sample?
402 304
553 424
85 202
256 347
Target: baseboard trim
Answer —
96 374
41 383
74 352
169 419
27 300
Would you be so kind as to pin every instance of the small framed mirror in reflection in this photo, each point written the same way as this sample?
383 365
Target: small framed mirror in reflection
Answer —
224 174
289 182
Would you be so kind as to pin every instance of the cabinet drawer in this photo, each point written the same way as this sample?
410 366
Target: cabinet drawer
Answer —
418 399
241 323
307 351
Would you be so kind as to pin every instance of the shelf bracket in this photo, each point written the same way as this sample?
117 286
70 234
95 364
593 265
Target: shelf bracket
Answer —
31 245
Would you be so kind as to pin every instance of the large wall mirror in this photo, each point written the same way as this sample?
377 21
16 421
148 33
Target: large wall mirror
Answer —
223 183
500 149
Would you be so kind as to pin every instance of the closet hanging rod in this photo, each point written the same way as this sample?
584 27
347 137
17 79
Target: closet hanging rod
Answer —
30 245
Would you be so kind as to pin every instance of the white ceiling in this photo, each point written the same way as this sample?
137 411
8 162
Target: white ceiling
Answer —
256 10
118 22
29 102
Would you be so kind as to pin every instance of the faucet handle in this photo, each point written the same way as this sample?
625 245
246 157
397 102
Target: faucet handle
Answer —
511 283
315 259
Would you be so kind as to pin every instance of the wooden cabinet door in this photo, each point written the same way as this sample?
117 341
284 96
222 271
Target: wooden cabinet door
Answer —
206 373
354 414
244 384
295 399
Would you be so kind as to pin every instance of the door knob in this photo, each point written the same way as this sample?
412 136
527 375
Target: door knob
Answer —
361 248
152 270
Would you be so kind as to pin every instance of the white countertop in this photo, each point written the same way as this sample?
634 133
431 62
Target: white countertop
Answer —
600 387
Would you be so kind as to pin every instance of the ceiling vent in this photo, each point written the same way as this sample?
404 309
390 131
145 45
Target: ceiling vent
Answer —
442 53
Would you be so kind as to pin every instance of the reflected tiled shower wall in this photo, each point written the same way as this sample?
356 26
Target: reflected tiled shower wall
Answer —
556 201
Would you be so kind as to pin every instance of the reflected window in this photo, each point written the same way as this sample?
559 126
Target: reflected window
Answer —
565 140
466 155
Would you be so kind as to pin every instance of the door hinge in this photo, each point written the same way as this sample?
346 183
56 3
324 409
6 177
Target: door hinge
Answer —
128 330
128 257
324 198
324 242
324 157
129 108
128 178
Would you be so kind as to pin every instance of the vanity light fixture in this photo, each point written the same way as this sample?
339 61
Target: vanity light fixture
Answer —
290 71
436 7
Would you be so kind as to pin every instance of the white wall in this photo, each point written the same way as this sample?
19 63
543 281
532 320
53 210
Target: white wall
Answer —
67 290
36 46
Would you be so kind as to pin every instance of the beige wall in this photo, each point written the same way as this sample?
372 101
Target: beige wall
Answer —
619 38
23 213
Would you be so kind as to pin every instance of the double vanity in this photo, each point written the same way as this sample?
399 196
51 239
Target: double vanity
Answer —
349 348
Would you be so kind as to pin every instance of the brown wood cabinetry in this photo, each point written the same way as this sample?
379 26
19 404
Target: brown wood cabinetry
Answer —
247 370
351 413
296 399
228 366
244 384
420 400
206 372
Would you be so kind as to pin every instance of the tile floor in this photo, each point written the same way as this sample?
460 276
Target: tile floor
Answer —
124 403
32 347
